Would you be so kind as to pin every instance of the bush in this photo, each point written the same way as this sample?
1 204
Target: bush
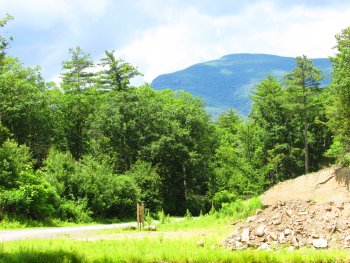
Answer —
241 209
23 192
223 197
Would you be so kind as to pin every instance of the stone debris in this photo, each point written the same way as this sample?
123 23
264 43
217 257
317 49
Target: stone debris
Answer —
320 243
295 224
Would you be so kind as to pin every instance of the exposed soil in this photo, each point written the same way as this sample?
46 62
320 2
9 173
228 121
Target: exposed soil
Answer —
310 211
331 184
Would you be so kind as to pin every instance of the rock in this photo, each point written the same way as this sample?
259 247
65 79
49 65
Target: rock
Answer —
251 219
264 246
259 231
240 245
230 240
258 212
288 231
302 213
333 228
281 237
277 222
150 228
320 243
245 235
200 243
328 208
273 235
289 213
260 220
346 241
314 235
295 242
296 223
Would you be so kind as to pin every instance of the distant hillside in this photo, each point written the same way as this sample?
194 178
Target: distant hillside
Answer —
227 82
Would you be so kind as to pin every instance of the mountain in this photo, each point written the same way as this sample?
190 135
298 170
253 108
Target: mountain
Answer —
226 82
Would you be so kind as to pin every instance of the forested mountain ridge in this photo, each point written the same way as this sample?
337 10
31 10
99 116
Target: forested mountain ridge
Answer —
227 82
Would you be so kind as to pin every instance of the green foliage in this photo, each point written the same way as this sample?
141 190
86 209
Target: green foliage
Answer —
118 73
91 187
22 191
240 209
93 146
339 104
24 108
4 43
162 217
188 215
222 197
149 182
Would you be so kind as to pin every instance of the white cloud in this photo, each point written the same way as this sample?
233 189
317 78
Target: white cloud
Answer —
259 28
43 14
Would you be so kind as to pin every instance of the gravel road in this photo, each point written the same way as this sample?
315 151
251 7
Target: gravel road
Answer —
52 232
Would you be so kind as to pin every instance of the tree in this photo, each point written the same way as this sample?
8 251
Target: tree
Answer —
302 83
339 105
24 108
4 43
77 102
118 73
22 191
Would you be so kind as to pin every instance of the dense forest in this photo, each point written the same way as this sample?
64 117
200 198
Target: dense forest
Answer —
93 146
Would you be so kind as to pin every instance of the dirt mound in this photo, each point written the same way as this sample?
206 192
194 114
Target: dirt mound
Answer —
310 211
331 184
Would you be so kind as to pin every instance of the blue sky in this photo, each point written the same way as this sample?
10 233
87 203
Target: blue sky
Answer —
161 36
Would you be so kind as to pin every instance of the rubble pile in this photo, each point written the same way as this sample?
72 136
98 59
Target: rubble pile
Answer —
294 224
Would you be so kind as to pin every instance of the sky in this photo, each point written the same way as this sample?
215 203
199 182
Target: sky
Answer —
163 36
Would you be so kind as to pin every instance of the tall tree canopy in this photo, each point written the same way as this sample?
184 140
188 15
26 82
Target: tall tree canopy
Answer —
339 110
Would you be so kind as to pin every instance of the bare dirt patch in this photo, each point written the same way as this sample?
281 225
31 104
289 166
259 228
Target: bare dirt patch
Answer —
331 184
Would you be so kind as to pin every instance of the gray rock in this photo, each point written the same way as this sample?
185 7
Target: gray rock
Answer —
245 235
259 231
264 246
150 228
320 243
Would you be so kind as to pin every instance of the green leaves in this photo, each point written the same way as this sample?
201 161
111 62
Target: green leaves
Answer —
339 104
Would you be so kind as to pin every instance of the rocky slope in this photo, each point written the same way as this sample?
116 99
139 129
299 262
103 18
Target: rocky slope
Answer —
309 211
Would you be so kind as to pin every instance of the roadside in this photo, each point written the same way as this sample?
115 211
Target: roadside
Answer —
56 232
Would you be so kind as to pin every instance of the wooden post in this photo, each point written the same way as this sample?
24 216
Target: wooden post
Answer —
140 211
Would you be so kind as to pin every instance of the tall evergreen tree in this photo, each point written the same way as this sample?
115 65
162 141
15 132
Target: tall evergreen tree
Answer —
77 84
117 73
302 84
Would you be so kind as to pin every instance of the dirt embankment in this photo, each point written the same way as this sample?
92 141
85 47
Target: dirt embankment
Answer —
310 211
331 184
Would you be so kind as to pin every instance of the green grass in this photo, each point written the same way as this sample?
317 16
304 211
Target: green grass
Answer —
20 223
173 242
150 250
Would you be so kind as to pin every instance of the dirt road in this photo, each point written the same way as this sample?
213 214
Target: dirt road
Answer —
53 232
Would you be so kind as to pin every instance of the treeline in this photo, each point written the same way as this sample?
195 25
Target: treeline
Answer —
93 146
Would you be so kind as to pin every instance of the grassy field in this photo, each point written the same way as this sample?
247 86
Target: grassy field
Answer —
172 242
150 250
